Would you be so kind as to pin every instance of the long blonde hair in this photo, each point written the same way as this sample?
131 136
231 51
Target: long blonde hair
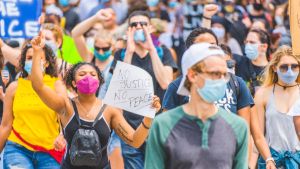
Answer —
269 76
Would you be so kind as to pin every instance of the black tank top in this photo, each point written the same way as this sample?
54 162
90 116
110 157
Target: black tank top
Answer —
103 131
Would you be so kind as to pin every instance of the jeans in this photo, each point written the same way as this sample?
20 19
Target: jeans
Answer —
133 158
18 157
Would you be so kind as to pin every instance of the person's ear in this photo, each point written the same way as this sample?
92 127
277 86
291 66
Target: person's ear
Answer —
74 84
274 69
191 76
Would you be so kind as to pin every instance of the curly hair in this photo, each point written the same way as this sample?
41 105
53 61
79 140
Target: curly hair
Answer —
70 75
49 57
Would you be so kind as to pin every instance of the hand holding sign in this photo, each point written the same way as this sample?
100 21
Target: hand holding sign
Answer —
131 89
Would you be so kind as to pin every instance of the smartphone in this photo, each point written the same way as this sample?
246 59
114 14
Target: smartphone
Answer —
5 74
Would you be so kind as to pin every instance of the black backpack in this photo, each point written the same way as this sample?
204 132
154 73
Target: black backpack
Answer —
85 148
234 83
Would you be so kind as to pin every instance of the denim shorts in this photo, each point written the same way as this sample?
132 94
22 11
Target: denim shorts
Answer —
17 156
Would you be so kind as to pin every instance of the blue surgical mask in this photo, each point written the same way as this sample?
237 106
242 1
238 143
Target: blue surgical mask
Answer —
251 51
28 66
173 4
220 32
288 77
63 3
52 45
213 90
278 20
102 57
139 36
152 3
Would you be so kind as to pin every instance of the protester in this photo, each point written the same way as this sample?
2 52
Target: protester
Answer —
257 52
157 61
170 144
85 110
275 102
28 125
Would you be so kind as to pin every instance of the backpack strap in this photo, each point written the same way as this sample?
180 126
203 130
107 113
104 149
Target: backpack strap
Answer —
99 114
234 84
76 111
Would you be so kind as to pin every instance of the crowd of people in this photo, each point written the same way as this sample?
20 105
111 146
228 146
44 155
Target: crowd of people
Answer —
225 79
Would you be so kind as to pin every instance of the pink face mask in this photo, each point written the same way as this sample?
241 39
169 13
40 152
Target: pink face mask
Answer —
87 85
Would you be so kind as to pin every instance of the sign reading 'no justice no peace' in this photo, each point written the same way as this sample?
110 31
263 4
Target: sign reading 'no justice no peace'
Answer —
131 89
19 18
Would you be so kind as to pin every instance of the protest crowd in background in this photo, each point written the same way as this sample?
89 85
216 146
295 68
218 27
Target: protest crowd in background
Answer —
154 84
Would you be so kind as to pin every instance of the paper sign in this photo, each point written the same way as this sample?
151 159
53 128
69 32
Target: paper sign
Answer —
19 18
131 89
294 10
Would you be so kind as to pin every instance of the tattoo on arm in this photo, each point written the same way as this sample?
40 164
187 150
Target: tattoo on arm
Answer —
123 133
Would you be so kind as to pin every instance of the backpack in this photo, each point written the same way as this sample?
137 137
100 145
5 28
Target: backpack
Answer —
85 148
233 82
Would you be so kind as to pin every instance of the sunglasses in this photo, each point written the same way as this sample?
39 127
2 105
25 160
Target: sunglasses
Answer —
135 24
285 67
104 49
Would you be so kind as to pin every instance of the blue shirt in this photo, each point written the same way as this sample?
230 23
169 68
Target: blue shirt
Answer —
230 102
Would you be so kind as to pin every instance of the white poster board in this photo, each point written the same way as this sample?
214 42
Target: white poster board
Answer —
131 89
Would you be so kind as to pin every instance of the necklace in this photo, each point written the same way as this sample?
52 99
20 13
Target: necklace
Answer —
284 87
87 113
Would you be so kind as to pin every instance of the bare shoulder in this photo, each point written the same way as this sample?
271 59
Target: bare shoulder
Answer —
262 95
12 87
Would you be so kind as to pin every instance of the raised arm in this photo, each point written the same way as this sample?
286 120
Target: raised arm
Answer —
83 27
55 101
209 11
163 74
10 54
134 138
7 119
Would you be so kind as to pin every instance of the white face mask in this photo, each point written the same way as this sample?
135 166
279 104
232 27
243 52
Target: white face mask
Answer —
52 45
220 32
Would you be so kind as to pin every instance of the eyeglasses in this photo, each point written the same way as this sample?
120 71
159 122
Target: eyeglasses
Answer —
135 24
285 67
215 75
104 49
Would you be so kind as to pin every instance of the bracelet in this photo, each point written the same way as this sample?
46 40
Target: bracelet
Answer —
145 126
270 159
205 17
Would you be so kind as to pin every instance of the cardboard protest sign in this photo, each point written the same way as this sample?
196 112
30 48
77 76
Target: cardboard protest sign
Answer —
131 89
294 11
19 18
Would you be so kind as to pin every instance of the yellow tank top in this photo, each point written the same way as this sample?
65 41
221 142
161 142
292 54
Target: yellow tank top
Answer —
33 120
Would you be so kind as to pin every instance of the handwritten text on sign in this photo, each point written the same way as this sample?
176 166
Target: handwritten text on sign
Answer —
19 18
131 89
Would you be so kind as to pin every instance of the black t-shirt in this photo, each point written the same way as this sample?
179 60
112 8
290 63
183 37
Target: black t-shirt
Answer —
145 63
250 73
72 19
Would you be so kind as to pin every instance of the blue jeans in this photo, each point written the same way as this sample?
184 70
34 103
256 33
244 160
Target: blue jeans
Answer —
17 156
133 158
114 142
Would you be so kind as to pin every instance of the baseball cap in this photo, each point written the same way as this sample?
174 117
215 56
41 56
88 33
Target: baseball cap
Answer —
193 55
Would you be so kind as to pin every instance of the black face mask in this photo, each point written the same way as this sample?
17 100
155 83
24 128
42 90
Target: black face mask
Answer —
257 6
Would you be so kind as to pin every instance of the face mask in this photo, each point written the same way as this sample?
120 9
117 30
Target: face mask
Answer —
63 3
104 56
220 32
251 51
288 77
278 20
52 45
257 6
152 3
139 36
172 4
28 66
87 85
213 90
